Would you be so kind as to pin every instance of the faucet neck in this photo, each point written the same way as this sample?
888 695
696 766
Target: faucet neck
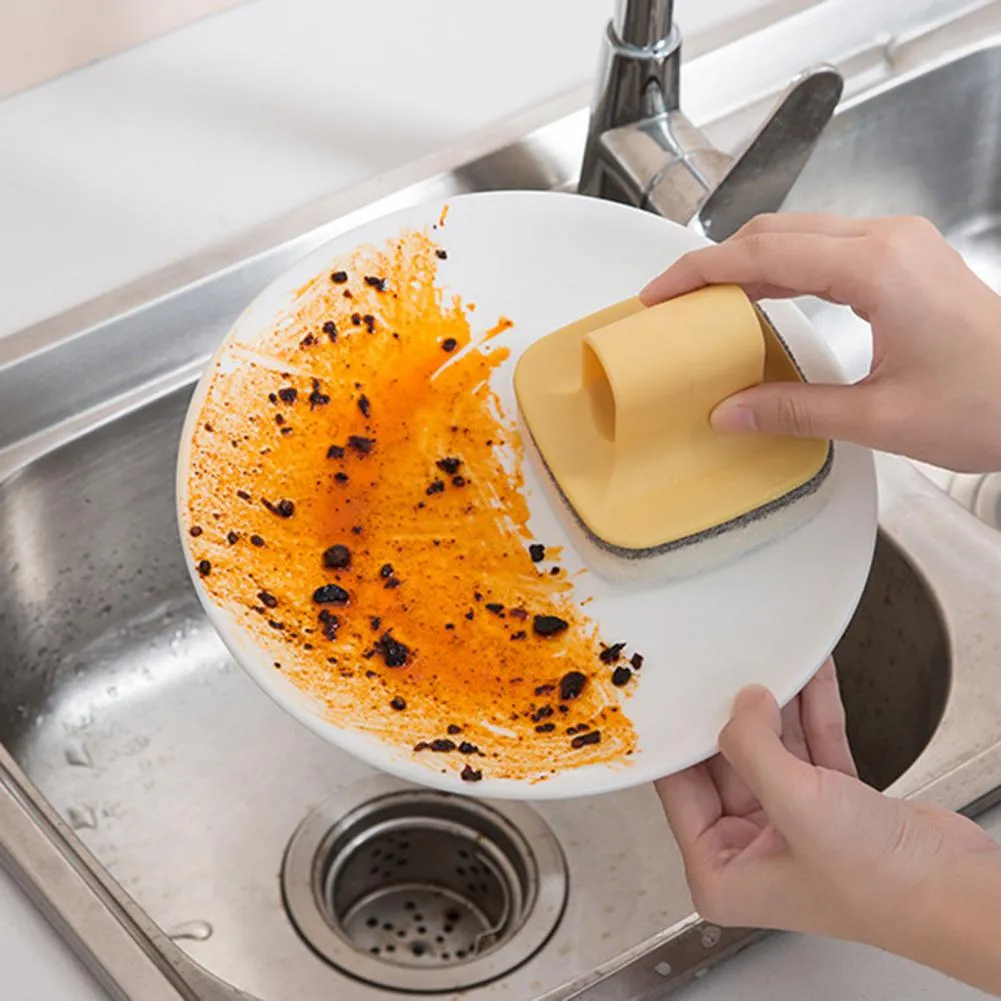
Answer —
643 24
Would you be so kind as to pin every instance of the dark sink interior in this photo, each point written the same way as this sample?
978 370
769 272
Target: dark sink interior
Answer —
893 666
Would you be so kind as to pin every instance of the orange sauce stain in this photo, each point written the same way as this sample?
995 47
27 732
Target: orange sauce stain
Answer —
364 420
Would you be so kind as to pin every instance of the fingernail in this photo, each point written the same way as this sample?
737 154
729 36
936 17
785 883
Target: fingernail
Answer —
733 416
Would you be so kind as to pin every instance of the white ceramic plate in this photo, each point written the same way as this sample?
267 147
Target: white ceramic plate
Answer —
772 617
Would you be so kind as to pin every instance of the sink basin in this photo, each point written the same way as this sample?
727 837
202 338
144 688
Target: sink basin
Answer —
196 844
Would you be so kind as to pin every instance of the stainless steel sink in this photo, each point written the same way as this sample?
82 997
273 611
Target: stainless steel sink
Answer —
182 831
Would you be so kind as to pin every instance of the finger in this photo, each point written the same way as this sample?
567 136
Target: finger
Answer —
735 797
793 735
823 716
803 222
691 803
774 265
800 410
752 743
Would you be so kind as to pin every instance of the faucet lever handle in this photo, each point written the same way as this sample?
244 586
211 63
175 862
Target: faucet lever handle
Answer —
760 178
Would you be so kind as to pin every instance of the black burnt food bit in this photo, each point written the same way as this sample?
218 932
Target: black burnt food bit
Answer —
621 676
571 685
317 398
335 452
356 319
232 538
331 594
337 557
204 568
452 729
288 394
369 320
267 599
393 652
442 745
379 284
471 774
537 551
545 728
467 748
360 444
329 624
330 328
386 570
339 277
449 345
636 660
398 704
435 487
442 255
548 625
283 509
611 653
364 405
449 465
256 540
195 531
341 477
494 606
583 739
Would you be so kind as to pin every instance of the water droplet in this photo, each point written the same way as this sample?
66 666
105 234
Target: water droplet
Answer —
79 755
81 818
195 931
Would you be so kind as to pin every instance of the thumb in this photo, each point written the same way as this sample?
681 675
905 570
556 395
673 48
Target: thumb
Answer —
752 743
792 408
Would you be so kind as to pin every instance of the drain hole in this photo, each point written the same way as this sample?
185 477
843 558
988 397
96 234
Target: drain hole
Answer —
438 888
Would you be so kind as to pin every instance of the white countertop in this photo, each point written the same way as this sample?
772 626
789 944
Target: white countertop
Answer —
120 168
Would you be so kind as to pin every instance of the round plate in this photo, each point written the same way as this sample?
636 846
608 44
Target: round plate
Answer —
543 260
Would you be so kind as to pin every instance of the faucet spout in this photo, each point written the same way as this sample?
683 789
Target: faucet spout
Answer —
643 24
642 150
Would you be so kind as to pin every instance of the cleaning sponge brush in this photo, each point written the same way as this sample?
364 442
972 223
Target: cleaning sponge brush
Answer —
617 406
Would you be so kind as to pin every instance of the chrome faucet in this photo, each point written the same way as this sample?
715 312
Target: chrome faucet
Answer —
642 150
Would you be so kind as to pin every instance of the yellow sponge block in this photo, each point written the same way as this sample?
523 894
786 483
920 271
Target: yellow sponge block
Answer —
618 405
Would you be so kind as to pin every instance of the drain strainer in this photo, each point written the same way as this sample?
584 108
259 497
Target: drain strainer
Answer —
423 891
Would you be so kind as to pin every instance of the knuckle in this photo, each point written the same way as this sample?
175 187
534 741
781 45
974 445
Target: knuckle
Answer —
793 417
762 223
894 240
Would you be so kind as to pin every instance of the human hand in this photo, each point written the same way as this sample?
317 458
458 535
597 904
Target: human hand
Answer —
777 832
934 389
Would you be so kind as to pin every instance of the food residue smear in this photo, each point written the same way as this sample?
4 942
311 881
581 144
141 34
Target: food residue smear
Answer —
354 497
